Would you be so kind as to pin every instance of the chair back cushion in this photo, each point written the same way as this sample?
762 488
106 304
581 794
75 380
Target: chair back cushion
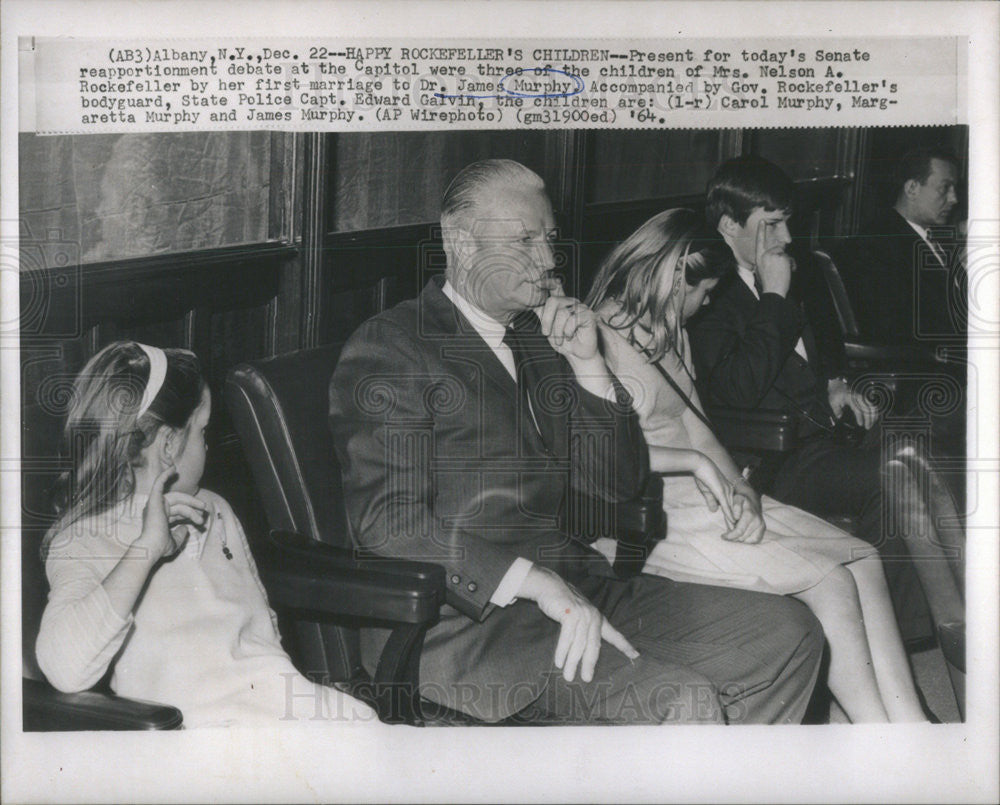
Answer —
838 292
279 407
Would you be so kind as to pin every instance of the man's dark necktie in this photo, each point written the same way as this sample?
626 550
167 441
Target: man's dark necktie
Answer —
522 333
937 248
758 285
953 259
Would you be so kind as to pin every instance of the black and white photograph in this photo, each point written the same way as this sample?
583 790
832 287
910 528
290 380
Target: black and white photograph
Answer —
336 435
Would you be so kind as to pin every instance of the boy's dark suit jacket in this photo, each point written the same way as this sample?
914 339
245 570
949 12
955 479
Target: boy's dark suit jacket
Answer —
744 349
441 464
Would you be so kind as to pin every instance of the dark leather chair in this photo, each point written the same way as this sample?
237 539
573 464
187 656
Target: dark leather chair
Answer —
926 507
905 377
864 353
279 407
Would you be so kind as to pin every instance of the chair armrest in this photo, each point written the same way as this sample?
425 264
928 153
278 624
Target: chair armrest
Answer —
312 577
306 575
48 710
642 521
639 524
868 355
754 429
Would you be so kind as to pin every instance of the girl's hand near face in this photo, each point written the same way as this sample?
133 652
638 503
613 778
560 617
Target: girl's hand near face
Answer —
166 517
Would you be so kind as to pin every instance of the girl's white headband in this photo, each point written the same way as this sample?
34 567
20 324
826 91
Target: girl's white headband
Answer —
157 372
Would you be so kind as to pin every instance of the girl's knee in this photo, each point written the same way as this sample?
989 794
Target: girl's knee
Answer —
840 581
868 569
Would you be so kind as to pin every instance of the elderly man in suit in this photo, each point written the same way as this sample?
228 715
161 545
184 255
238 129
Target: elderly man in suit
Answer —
464 420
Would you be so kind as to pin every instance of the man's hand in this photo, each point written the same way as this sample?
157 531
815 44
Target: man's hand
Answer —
749 527
582 625
842 397
774 264
571 328
570 325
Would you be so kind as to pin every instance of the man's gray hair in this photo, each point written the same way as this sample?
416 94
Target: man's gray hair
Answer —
472 182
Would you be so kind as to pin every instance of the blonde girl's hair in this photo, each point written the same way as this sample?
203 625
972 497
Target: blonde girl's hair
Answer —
647 275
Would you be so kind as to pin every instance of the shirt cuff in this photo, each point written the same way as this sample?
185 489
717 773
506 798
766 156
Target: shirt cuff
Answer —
506 591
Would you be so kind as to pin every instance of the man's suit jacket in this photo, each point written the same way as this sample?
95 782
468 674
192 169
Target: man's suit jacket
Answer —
744 354
441 463
900 291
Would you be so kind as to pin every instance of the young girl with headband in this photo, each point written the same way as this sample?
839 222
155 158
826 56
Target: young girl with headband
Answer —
152 574
719 530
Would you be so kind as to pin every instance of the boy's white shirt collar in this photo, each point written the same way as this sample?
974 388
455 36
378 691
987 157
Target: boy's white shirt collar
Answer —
747 275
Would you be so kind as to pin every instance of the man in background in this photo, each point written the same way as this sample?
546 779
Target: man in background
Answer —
906 275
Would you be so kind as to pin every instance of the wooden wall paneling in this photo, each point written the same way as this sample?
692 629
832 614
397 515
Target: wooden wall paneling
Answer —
858 167
175 331
636 165
363 272
284 211
315 189
819 205
732 143
284 314
168 300
848 150
285 226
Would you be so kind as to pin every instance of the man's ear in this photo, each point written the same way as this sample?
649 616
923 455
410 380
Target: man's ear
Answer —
460 240
458 243
728 227
911 188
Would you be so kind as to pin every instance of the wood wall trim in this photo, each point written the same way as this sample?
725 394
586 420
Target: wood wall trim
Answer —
407 233
134 269
66 302
631 205
314 194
